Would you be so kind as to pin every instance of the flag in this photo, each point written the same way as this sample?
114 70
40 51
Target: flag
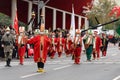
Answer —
72 27
16 23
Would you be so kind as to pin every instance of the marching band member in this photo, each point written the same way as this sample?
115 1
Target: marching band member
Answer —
89 42
97 45
77 46
21 44
68 45
60 44
53 46
41 43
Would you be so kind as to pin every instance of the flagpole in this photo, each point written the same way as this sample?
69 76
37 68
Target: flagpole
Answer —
13 8
14 16
72 26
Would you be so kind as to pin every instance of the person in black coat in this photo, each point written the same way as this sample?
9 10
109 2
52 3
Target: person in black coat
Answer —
104 44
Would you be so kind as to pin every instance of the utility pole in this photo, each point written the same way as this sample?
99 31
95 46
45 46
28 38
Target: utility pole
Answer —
41 4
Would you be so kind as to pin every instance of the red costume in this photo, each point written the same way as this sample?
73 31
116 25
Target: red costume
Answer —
38 55
97 45
68 46
77 50
53 47
21 47
60 46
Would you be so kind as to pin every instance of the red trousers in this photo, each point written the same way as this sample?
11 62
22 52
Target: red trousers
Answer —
21 52
96 54
52 54
77 55
59 54
67 52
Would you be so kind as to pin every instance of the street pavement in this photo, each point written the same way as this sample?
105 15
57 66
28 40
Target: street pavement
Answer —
107 68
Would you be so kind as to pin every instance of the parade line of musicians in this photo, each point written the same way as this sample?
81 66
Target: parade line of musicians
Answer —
41 44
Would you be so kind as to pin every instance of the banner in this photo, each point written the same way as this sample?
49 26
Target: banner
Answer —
72 27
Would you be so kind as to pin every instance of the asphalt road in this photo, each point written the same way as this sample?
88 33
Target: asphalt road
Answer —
107 68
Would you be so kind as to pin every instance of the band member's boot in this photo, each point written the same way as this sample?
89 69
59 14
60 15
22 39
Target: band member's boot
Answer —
40 67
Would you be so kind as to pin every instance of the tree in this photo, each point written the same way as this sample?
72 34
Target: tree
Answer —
6 20
100 10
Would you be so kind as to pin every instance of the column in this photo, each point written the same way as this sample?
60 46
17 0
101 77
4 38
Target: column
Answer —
54 19
79 22
64 20
86 23
13 12
29 15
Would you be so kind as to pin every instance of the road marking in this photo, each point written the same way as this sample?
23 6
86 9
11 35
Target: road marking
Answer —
114 54
1 67
116 78
62 67
30 75
101 62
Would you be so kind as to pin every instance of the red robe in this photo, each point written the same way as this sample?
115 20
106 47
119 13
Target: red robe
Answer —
22 46
62 45
40 57
68 46
53 47
77 50
53 40
98 43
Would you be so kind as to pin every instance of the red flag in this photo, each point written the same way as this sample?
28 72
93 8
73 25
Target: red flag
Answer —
16 23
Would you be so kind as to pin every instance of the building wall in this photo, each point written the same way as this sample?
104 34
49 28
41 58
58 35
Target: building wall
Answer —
22 8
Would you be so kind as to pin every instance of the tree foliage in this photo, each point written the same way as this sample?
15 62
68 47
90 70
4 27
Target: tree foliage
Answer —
6 20
101 10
